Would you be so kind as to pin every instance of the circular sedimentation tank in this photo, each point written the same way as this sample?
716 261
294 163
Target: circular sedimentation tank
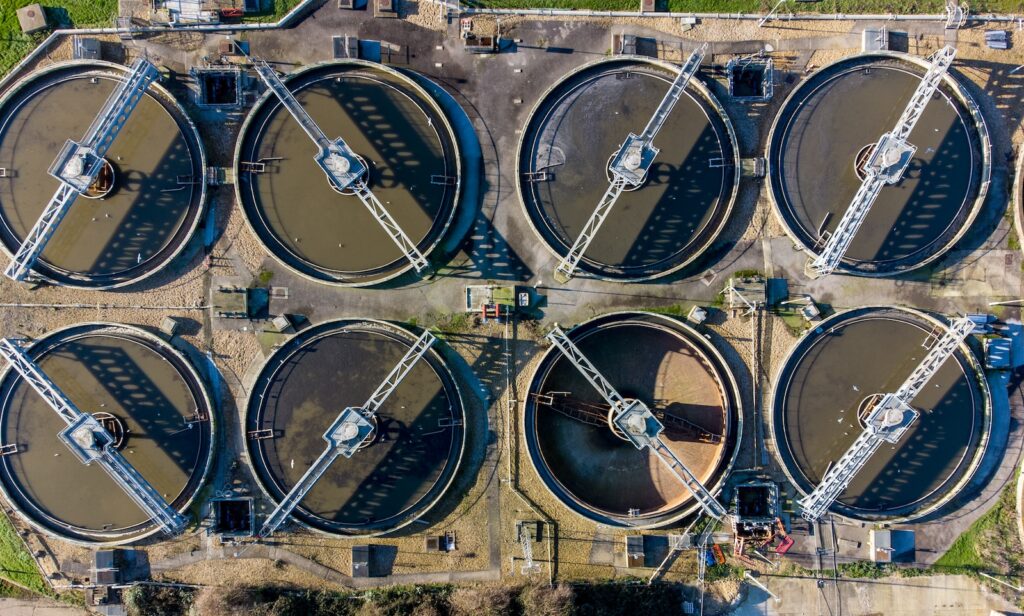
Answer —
416 447
829 124
665 364
145 392
828 378
669 220
394 126
153 185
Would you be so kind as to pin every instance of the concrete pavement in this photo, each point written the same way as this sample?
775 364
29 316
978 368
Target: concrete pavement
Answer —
952 595
38 607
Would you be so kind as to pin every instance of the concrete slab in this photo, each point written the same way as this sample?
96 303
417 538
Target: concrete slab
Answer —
38 607
955 595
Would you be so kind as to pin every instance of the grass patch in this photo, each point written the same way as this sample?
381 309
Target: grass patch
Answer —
723 572
792 318
142 600
264 277
599 598
672 310
747 273
63 14
451 323
866 570
273 10
991 544
16 564
10 591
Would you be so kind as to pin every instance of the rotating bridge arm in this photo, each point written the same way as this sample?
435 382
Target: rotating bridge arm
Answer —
571 352
86 437
630 164
341 165
708 502
78 163
299 491
886 165
887 421
636 423
350 431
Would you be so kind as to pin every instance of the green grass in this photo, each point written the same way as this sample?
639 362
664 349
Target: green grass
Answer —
672 310
10 591
723 572
450 323
64 14
866 570
792 318
273 11
16 564
263 278
991 544
759 6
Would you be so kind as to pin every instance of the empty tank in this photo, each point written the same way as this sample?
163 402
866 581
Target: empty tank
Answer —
678 374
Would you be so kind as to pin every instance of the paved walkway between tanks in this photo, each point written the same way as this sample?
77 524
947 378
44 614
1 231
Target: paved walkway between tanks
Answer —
949 595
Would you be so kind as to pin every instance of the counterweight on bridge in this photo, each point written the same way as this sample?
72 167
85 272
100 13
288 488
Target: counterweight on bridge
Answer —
78 163
887 421
634 421
886 165
86 437
339 162
630 164
351 430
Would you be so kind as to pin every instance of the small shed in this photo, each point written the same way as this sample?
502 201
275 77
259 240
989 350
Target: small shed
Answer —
360 561
892 546
875 39
634 551
105 570
87 48
169 326
385 8
697 315
231 302
32 18
281 324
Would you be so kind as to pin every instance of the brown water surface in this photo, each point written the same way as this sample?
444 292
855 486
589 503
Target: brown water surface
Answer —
112 374
576 131
154 167
381 482
866 356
